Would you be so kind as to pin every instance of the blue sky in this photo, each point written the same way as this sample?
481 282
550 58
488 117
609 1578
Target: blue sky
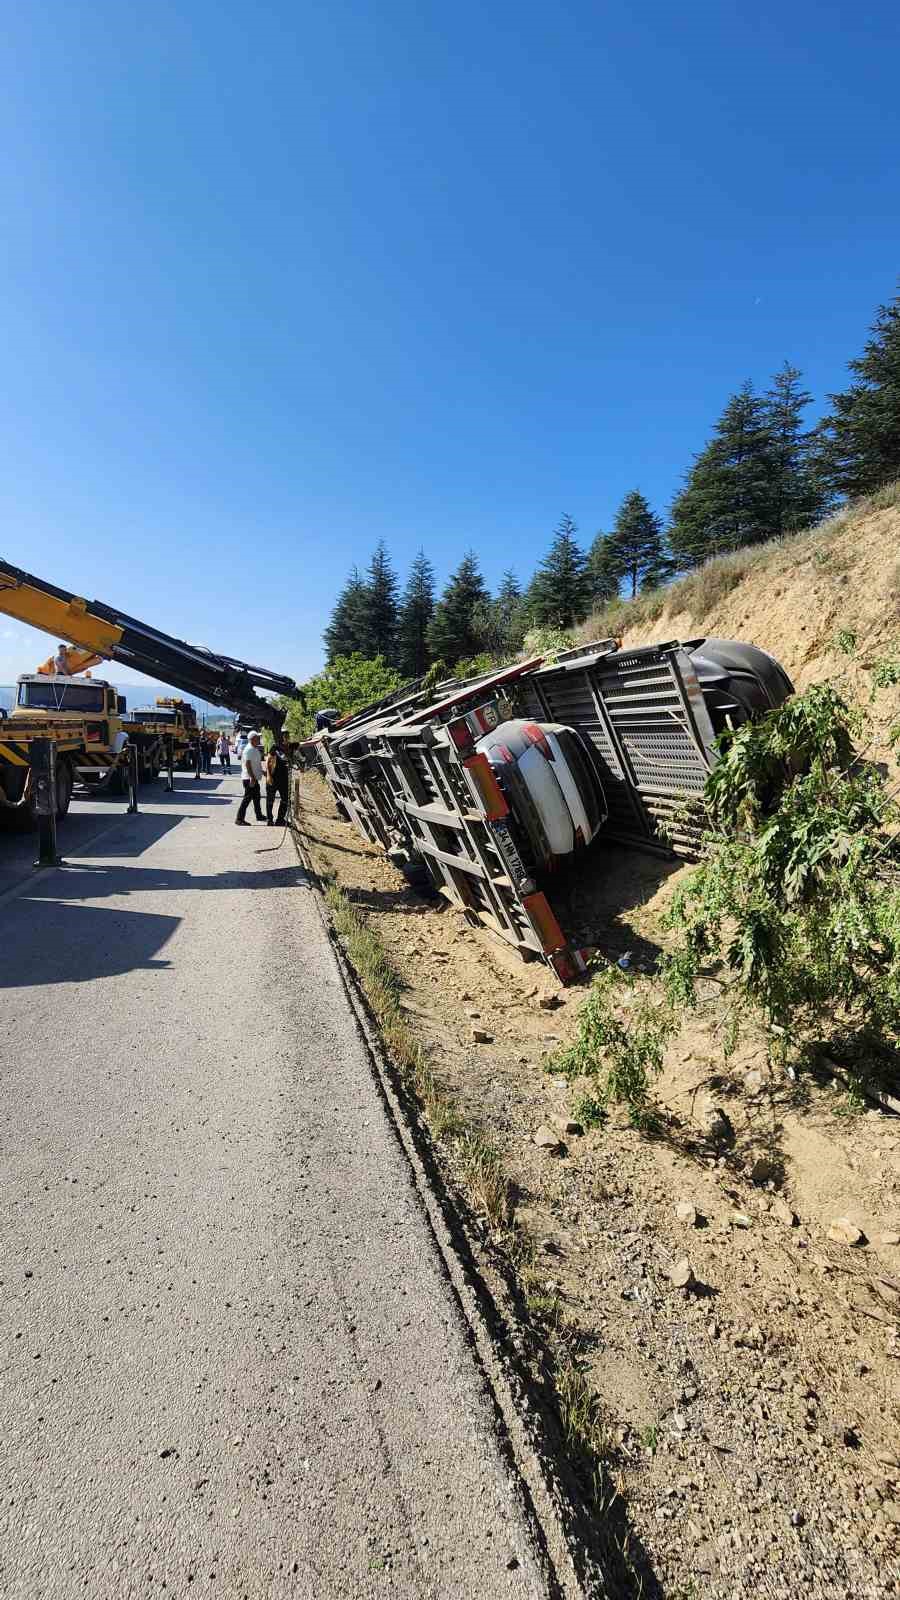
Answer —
279 280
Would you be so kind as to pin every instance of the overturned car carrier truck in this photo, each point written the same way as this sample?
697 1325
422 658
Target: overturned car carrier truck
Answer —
494 784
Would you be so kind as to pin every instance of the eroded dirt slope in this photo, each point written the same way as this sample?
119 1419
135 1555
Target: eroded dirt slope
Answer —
800 597
754 1419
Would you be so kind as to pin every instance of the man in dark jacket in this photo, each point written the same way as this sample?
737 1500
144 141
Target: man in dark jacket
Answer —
278 775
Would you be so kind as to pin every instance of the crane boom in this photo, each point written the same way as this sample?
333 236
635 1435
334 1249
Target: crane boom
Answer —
112 635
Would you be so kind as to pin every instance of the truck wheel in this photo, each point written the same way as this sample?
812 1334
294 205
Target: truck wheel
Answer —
117 781
64 785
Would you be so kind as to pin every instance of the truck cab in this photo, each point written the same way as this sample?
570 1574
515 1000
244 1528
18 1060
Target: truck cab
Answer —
41 696
169 716
89 706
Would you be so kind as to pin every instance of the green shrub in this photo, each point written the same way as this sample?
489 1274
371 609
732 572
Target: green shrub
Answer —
623 1030
547 642
886 673
350 684
479 666
794 910
796 902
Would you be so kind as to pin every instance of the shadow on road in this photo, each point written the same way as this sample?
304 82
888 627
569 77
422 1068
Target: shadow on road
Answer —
193 797
136 835
60 943
77 882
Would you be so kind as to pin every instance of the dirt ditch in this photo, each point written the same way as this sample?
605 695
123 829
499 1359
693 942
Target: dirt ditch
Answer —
752 1414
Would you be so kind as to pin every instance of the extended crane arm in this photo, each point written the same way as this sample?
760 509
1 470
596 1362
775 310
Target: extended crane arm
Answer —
113 636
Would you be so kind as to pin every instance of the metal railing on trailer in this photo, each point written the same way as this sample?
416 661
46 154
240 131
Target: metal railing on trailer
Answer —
410 777
645 719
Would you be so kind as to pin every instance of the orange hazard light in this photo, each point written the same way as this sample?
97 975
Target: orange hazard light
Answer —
489 791
544 922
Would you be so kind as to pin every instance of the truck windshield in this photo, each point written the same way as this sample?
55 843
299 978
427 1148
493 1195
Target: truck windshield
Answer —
151 714
51 696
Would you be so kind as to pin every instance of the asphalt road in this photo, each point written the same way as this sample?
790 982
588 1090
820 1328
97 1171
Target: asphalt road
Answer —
233 1362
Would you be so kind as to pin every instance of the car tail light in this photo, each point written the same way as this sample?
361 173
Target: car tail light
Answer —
461 734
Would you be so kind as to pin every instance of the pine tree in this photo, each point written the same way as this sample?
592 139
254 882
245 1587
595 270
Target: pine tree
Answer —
797 497
860 439
380 607
726 502
452 633
559 594
416 612
498 624
636 542
603 571
508 615
659 571
347 630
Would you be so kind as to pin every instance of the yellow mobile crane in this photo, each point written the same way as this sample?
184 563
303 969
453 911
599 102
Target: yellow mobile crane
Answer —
84 717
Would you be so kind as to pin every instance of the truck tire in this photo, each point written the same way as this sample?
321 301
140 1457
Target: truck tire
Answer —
65 782
21 818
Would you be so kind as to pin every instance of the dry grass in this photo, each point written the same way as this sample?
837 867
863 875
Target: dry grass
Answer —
700 591
580 1409
486 1182
478 1165
380 982
476 1159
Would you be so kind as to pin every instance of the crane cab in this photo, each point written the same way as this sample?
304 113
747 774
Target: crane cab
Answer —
89 707
38 695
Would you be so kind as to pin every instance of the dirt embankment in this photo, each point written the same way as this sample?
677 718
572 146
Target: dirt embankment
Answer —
752 1421
797 599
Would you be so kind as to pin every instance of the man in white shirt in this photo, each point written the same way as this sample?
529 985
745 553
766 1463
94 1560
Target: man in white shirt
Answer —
251 775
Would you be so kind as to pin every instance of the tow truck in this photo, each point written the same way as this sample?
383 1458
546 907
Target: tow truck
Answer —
83 717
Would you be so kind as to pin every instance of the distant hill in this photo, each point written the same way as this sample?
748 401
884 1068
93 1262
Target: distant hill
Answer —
139 694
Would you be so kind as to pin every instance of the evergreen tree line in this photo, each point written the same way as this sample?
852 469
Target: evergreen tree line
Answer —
762 475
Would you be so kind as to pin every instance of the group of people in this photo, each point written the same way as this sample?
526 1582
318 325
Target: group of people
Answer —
275 767
204 746
256 767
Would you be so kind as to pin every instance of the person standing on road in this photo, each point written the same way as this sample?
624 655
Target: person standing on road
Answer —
251 775
223 751
277 780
